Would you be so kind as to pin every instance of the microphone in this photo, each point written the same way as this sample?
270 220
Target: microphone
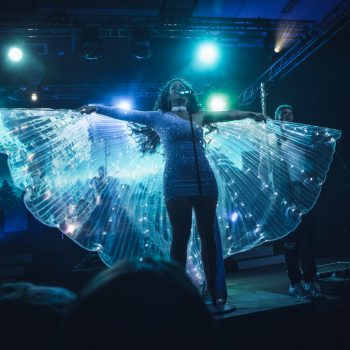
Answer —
186 92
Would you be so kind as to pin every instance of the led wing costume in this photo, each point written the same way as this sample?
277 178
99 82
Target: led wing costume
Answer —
84 175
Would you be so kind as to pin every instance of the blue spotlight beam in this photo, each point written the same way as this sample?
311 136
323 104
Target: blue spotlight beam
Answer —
322 32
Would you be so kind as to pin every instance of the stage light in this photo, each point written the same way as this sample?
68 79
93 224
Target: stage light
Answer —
141 45
208 53
15 54
34 97
124 104
217 102
90 43
271 43
285 36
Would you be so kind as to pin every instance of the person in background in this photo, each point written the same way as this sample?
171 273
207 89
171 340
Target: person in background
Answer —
299 246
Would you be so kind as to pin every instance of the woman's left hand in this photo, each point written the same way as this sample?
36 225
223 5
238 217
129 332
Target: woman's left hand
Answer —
87 109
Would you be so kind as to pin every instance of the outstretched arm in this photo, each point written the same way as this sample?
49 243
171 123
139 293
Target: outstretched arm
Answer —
148 118
227 116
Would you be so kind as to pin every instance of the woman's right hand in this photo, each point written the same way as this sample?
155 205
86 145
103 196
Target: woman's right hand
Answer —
88 109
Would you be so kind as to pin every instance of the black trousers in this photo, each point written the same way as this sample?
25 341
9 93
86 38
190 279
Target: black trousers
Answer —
180 215
299 248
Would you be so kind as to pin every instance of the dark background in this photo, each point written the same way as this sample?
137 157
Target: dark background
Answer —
318 89
319 92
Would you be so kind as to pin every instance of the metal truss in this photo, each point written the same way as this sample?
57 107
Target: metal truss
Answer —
237 30
321 32
81 91
101 91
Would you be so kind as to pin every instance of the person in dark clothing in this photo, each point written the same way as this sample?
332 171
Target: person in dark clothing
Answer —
299 246
148 304
31 314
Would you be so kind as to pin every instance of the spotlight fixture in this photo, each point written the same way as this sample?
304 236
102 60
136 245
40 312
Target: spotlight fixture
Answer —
285 36
90 43
141 45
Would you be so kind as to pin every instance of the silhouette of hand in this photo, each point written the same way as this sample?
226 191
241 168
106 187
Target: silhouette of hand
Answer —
87 109
258 117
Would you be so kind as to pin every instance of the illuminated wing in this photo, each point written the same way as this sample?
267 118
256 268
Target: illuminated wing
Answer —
85 176
269 175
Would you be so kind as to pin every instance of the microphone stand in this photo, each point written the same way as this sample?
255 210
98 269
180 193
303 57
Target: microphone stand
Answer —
214 308
211 281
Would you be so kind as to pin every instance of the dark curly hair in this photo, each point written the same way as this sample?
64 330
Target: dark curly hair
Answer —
163 104
146 137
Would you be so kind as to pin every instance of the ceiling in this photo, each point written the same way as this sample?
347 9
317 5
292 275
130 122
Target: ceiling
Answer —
242 22
268 9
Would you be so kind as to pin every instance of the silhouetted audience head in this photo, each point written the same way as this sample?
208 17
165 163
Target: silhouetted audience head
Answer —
30 315
149 304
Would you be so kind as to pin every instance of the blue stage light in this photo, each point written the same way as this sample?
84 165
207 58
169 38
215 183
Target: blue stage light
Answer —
124 104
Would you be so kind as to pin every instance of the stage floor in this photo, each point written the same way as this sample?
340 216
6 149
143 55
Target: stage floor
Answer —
272 278
267 316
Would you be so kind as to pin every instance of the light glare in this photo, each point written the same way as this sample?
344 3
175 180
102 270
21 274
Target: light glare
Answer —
126 105
15 54
218 103
208 53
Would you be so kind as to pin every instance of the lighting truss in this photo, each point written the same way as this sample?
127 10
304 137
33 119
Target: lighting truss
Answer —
105 91
239 31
